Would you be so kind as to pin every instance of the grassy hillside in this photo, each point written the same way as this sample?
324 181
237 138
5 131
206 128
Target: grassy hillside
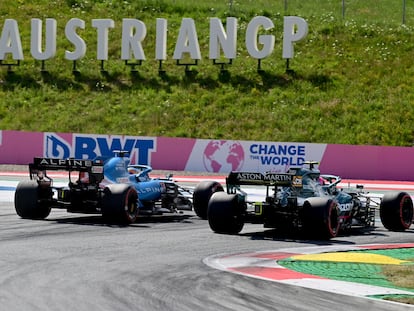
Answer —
351 82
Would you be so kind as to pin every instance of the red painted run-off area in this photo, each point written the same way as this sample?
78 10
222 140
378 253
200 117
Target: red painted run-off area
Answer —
274 273
368 184
280 273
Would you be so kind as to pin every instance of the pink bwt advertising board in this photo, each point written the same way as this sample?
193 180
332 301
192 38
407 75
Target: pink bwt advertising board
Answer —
214 156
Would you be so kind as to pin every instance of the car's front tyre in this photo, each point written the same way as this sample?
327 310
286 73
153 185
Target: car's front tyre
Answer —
202 194
120 204
396 211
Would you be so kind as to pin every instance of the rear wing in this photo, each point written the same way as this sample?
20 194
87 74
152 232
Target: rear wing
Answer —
93 167
266 179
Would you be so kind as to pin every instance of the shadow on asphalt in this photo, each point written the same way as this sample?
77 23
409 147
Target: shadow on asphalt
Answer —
141 222
300 237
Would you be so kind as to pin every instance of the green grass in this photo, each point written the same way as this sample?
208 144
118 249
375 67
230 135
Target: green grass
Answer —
351 83
397 276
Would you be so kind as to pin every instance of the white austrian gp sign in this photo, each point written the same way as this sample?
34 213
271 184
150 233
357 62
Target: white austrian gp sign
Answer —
222 42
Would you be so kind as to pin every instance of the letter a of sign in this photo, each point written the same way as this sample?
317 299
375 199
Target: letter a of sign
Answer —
10 42
187 41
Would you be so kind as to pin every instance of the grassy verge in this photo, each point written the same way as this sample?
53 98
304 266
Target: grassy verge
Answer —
401 276
386 268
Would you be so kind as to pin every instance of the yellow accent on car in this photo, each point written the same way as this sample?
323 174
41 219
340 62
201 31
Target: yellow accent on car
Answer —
258 208
297 181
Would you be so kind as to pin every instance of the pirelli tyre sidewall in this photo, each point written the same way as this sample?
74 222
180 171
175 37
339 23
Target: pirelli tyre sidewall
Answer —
226 213
396 211
320 218
32 200
202 194
120 204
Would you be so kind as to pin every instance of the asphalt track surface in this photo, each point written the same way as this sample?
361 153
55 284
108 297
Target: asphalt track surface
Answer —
77 262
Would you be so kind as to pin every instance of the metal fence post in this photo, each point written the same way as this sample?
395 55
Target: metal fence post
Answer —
403 12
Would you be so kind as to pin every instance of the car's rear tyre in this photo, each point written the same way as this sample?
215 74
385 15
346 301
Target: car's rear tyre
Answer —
31 201
226 213
202 194
396 211
320 218
120 204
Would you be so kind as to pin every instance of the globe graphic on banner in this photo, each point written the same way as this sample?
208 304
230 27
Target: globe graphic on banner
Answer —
223 156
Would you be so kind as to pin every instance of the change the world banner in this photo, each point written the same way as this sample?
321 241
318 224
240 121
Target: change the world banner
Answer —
214 156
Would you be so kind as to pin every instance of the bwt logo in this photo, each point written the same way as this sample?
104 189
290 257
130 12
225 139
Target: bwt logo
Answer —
92 146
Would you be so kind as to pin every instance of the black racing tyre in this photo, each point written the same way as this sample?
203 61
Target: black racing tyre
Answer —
31 201
120 204
226 213
320 218
202 194
396 211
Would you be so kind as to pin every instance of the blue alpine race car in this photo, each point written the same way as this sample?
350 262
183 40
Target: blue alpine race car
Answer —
155 195
111 187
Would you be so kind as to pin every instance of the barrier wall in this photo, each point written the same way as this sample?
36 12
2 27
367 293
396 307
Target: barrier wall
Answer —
218 156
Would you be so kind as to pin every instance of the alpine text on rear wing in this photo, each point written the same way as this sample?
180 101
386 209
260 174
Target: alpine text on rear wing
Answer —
67 164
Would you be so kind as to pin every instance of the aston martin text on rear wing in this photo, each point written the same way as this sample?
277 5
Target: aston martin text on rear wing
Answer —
254 178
